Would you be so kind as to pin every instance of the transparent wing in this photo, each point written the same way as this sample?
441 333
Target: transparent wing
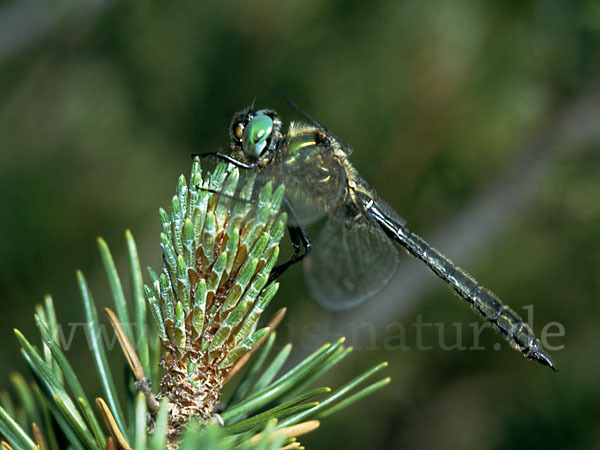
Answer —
349 264
313 181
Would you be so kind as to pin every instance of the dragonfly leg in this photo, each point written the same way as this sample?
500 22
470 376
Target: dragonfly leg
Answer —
227 158
298 234
300 241
231 197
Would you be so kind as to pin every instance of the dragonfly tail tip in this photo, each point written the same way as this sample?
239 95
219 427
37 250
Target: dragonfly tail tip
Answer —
544 359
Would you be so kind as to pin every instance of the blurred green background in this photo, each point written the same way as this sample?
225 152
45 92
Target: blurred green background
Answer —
477 120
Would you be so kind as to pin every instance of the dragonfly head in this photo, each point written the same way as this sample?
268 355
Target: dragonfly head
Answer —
254 134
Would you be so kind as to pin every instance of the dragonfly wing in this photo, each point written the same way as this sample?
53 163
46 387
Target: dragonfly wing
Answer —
314 182
349 264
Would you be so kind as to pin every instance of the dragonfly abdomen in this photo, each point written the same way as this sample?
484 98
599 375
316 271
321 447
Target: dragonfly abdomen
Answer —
503 318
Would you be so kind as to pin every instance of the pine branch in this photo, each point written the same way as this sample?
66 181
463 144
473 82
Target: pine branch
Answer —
219 242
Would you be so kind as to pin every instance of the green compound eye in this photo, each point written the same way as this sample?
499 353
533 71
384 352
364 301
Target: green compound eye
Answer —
256 135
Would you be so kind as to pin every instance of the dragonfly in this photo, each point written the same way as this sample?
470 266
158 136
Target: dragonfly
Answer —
357 251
